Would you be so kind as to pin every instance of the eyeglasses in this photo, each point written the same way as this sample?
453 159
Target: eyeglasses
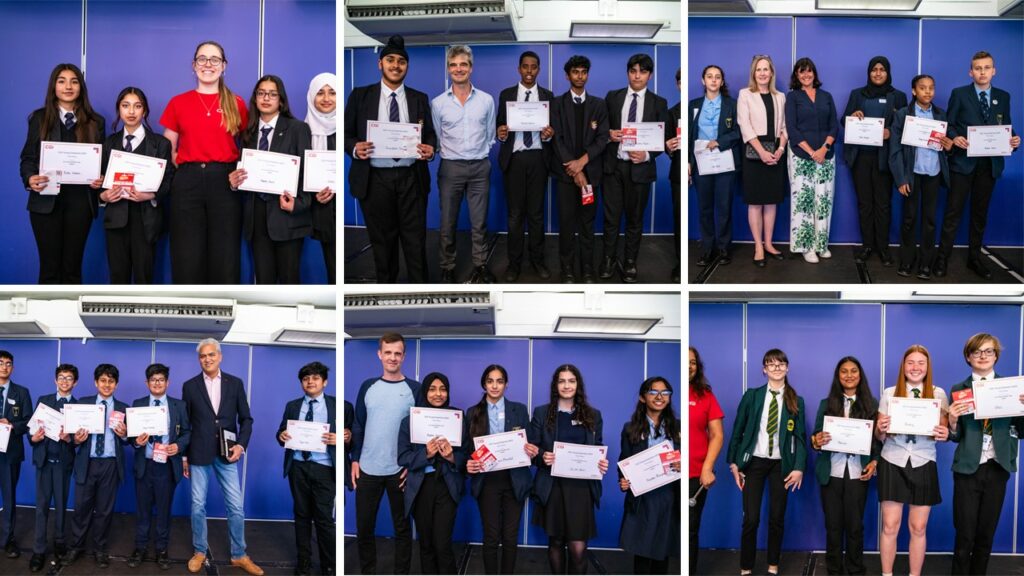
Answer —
776 367
6 364
666 394
65 379
158 380
212 61
264 94
986 353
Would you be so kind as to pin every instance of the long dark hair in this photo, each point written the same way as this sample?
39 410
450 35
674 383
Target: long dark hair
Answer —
253 127
789 395
724 90
86 119
478 425
699 384
865 407
913 84
581 410
145 107
638 429
802 64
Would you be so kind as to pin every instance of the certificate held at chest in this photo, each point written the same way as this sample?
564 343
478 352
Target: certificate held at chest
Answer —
989 141
643 137
914 415
923 133
393 139
578 461
645 471
527 116
508 448
74 163
998 398
865 131
270 172
849 435
425 424
147 173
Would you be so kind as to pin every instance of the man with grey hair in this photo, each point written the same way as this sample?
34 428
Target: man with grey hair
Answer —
219 414
465 124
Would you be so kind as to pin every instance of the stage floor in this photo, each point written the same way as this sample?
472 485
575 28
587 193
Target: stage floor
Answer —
715 562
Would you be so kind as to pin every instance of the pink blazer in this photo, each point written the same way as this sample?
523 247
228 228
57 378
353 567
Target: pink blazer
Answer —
752 116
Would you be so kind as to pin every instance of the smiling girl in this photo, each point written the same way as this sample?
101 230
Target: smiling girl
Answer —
321 102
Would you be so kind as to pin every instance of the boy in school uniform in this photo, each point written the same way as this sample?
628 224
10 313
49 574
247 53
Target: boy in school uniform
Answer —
158 466
99 470
15 411
311 475
54 463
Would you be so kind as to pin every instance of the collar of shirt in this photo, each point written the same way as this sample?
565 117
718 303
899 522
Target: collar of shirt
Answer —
534 92
137 137
780 390
272 123
100 399
385 92
67 398
582 97
307 398
716 101
987 91
64 112
852 399
976 376
499 405
162 399
654 433
918 111
451 93
630 92
214 380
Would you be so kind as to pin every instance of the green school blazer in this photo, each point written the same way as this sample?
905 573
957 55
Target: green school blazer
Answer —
792 432
968 436
823 466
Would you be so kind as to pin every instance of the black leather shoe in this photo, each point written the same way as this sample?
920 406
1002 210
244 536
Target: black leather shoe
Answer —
675 275
102 560
704 259
37 562
607 269
512 273
447 276
71 556
138 557
723 258
886 257
629 272
861 256
924 272
588 275
775 255
973 265
483 275
904 270
162 560
304 568
541 270
567 276
940 267
12 550
759 263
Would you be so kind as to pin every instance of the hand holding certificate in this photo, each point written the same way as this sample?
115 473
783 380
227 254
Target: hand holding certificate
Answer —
866 131
578 461
72 163
146 173
5 436
426 424
998 398
848 435
51 421
643 137
320 171
527 116
150 420
88 417
393 139
989 141
507 448
307 436
712 161
645 470
923 133
914 416
270 172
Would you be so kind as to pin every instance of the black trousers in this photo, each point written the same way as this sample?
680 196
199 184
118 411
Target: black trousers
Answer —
206 225
677 216
61 236
52 482
275 262
978 185
434 512
977 502
695 514
714 202
926 190
9 474
329 250
369 489
622 196
94 504
874 200
499 513
313 492
759 472
154 489
396 214
129 253
525 183
843 500
575 218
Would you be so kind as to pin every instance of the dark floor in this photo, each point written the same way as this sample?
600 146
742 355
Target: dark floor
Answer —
271 545
714 562
1006 264
655 262
470 561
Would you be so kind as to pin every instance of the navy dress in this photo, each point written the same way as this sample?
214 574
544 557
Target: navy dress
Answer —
651 523
568 513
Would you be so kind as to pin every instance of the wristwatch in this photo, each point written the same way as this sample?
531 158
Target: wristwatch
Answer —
828 146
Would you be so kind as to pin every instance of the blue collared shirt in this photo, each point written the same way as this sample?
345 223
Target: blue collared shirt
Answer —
464 131
163 439
707 122
319 415
653 440
925 161
496 416
110 439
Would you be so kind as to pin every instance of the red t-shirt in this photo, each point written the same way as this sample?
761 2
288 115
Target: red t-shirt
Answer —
703 409
201 138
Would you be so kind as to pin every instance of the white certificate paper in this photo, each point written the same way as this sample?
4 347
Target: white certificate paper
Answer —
923 133
866 132
148 172
87 416
998 398
712 161
270 172
989 140
150 420
393 139
643 137
320 170
645 471
531 116
914 415
74 163
428 423
51 420
578 460
5 436
508 447
307 436
849 435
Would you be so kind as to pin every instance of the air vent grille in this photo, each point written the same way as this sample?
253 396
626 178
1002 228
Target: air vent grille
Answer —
441 9
429 299
163 310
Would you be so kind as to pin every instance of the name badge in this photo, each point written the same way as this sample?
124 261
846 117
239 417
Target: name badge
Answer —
695 112
881 100
986 442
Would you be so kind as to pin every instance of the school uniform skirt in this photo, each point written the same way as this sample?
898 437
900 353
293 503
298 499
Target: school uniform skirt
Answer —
907 485
569 513
651 526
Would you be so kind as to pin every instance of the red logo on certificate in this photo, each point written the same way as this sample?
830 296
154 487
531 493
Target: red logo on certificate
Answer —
668 459
587 195
629 136
966 395
485 457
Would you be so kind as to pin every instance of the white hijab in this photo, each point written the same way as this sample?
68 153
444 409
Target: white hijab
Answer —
320 124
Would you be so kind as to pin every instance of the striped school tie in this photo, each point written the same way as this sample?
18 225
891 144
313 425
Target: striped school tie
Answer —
773 422
913 437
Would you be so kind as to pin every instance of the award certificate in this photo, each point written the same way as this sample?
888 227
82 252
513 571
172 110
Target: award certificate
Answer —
150 420
51 420
643 137
320 171
527 116
5 436
864 132
923 133
849 435
645 471
578 461
393 139
307 436
989 140
270 172
87 416
507 447
147 172
428 423
73 163
998 398
712 161
914 415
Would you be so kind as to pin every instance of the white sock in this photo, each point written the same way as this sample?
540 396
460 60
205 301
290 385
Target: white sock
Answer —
886 574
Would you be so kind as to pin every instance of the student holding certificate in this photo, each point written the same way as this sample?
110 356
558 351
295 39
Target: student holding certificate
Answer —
977 104
673 143
433 487
907 473
132 217
918 171
16 413
706 437
713 119
844 476
565 506
321 115
206 216
869 165
985 458
60 221
500 494
274 226
651 522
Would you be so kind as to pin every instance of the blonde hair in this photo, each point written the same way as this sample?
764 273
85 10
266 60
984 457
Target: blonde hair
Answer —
231 119
752 82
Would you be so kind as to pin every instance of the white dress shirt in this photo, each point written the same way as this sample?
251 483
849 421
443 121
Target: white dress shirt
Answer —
623 155
761 448
841 461
897 448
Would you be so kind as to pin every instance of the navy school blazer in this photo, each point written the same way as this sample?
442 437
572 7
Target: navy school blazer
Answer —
413 457
85 452
179 432
964 111
291 412
233 414
894 100
505 149
728 128
516 418
901 157
350 416
595 138
18 413
291 136
627 449
655 110
67 449
43 204
544 439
